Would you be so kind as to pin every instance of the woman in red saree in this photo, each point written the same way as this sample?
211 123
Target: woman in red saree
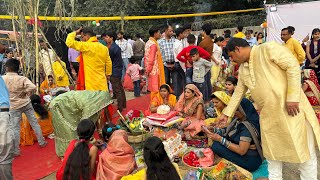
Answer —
311 87
117 159
190 106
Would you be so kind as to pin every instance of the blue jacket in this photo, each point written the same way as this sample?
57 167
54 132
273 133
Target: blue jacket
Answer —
117 62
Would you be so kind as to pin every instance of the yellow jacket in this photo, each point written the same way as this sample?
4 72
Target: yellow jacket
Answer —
239 35
273 77
295 47
58 71
96 59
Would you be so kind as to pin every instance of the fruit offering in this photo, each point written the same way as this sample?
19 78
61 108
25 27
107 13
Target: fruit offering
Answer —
192 159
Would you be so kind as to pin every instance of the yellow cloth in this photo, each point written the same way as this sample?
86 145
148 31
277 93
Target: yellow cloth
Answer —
215 71
223 97
274 78
96 59
45 86
239 35
141 175
158 100
59 71
295 47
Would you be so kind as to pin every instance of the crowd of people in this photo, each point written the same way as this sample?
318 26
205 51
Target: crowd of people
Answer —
245 95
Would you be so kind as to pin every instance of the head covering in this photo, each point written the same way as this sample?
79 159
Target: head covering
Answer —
222 96
181 106
311 76
117 159
252 116
170 89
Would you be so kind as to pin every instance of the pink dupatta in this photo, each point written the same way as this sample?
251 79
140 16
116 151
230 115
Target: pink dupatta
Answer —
117 159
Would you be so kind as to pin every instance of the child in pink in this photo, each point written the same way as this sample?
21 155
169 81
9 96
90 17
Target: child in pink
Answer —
134 72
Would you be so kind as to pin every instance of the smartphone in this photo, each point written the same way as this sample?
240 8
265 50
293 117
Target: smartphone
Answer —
206 130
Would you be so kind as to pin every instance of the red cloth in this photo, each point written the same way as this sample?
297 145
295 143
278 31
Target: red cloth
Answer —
184 55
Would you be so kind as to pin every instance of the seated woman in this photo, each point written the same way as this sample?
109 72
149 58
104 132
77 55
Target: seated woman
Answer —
117 159
231 84
79 159
44 117
46 85
235 143
311 87
220 100
164 96
158 163
190 106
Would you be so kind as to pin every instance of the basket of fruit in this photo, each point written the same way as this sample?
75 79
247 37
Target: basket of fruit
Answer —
133 122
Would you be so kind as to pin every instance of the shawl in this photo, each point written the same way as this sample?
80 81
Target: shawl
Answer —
313 55
223 97
191 107
81 80
312 81
117 159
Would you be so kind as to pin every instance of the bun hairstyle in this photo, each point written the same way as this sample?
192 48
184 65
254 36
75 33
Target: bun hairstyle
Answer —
78 163
158 163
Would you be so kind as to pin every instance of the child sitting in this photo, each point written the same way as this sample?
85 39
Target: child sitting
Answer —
134 72
79 160
200 69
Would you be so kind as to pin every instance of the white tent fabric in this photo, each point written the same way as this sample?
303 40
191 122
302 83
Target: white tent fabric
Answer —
303 16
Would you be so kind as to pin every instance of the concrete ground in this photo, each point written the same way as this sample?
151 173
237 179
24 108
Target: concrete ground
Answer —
290 171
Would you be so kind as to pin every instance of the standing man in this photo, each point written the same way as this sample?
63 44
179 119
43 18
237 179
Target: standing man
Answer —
207 44
95 64
293 45
6 134
179 77
72 56
288 122
251 40
166 48
153 62
138 49
47 57
123 44
239 33
117 66
20 89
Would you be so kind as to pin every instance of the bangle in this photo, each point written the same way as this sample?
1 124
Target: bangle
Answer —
223 140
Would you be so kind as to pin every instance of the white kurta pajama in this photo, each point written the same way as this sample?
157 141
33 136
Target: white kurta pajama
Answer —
273 77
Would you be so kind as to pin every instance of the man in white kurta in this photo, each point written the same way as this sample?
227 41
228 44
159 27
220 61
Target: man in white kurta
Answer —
288 122
47 58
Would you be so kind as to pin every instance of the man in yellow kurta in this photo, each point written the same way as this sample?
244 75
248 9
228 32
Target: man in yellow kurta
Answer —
60 73
288 122
95 58
293 45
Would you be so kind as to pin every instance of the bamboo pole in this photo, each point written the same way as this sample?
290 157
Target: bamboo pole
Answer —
16 41
37 44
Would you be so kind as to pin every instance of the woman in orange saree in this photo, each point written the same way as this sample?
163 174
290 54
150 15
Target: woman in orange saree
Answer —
44 117
190 106
311 87
117 159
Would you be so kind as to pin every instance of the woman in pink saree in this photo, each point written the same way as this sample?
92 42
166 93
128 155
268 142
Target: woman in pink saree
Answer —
117 159
153 62
190 106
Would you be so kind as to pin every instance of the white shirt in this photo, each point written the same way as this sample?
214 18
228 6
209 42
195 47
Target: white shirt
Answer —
177 48
217 53
129 50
